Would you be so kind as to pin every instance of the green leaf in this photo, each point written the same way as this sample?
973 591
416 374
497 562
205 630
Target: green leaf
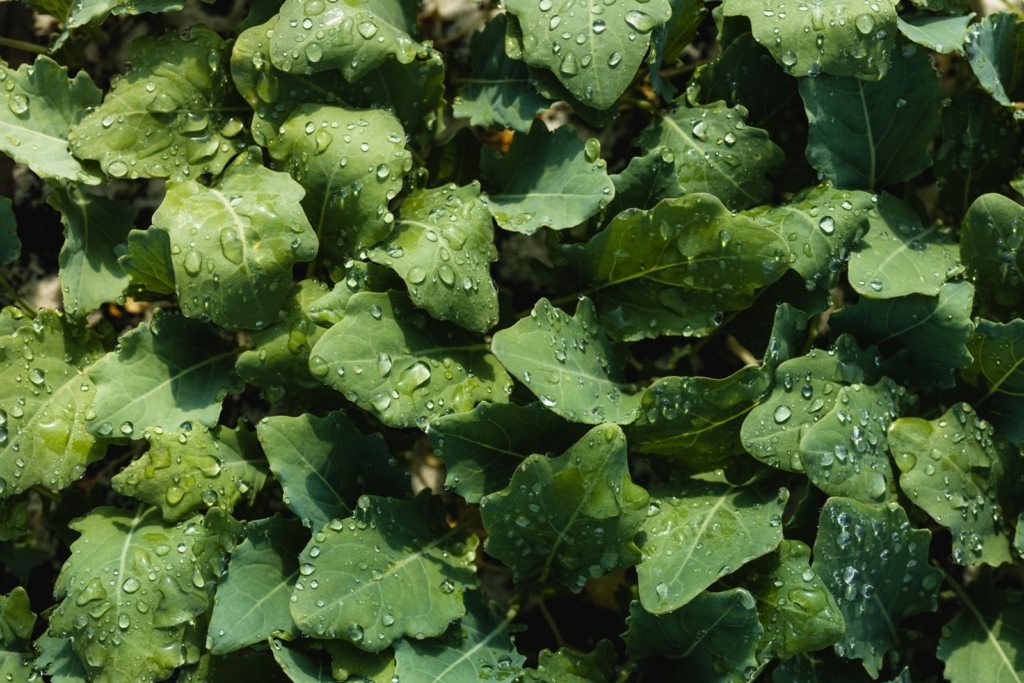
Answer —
16 622
994 51
13 517
581 375
169 371
42 105
355 277
91 12
606 49
481 449
393 569
941 34
498 92
349 663
818 667
44 400
645 181
548 85
832 38
179 91
998 352
675 269
569 666
550 179
713 638
347 203
390 359
670 39
934 330
10 245
688 518
308 666
991 242
569 518
442 246
146 259
361 36
869 135
985 641
325 464
253 599
193 470
715 151
898 256
58 660
877 568
93 227
478 648
12 318
951 470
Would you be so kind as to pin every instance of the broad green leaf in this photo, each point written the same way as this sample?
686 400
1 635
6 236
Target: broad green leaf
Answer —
877 568
569 364
162 582
393 569
347 203
325 464
391 359
820 224
569 518
832 38
713 639
822 666
692 517
998 352
671 38
868 135
10 245
569 666
168 371
45 396
300 666
252 600
193 470
985 641
174 115
442 246
951 469
498 93
94 12
13 517
16 622
354 37
941 34
646 181
58 660
233 244
934 330
898 256
548 85
607 43
550 179
93 226
350 663
992 248
12 319
675 269
715 151
798 612
994 51
146 259
354 277
481 449
478 648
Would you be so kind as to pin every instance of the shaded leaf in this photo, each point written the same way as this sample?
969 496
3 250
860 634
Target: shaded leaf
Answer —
13 517
998 352
58 660
986 640
821 666
669 40
991 242
309 666
146 259
16 622
349 663
355 277
548 85
993 48
568 666
10 245
645 181
941 34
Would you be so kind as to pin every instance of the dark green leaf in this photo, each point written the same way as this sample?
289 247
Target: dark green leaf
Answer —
985 641
349 663
147 261
16 622
58 660
568 666
998 352
646 181
310 666
991 242
669 40
818 667
13 517
941 34
10 245
994 51
354 277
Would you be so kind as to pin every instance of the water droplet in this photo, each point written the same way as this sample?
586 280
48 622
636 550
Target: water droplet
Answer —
314 51
384 364
355 633
367 29
569 67
193 262
599 26
640 21
827 225
417 275
614 59
865 23
17 103
131 585
548 401
700 130
118 169
127 428
447 275
789 58
782 413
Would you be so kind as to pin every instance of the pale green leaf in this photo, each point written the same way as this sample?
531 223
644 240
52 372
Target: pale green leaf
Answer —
12 319
985 642
941 34
994 51
352 278
10 245
86 12
349 663
992 248
57 658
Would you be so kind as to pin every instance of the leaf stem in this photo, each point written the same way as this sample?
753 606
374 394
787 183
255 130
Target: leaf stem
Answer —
23 45
47 493
542 605
25 306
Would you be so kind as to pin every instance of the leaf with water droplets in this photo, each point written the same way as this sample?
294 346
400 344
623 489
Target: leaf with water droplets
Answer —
699 531
481 449
998 352
14 516
876 566
898 256
647 180
394 361
570 518
57 659
10 245
158 122
392 569
355 277
715 151
252 601
93 12
984 642
40 107
548 85
712 639
443 246
942 34
868 135
302 666
569 666
44 401
324 464
993 51
821 666
992 248
159 363
349 661
16 623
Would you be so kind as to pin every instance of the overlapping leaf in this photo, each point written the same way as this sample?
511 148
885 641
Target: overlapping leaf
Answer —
992 248
986 640
944 34
645 181
998 352
993 48
10 245
16 622
670 39
569 666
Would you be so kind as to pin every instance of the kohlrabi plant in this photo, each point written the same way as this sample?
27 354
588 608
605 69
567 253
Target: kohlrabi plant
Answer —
577 341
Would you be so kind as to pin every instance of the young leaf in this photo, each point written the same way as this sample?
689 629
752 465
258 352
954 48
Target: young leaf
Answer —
16 622
174 111
993 51
44 400
325 464
146 259
349 663
169 371
355 277
876 566
252 600
740 523
646 181
393 569
482 448
569 518
10 245
442 246
569 666
991 242
42 104
58 660
581 376
546 179
309 666
865 135
941 34
984 642
998 352
389 358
